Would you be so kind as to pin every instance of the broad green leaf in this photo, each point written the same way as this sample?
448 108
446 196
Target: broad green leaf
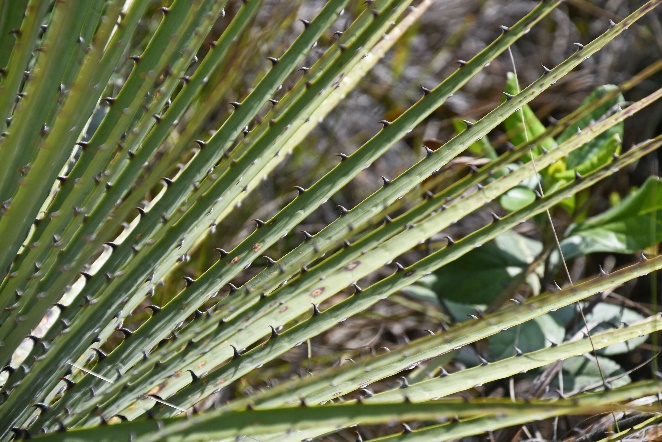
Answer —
604 317
524 125
530 336
631 226
516 198
611 316
599 155
582 372
592 154
479 276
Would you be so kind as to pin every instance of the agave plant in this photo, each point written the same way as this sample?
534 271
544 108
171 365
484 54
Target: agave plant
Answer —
104 202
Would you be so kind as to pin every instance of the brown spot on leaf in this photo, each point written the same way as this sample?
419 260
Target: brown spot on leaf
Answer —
282 309
201 364
158 388
257 247
234 260
318 291
352 265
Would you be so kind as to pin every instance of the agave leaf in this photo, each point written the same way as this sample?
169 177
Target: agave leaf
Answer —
214 426
323 289
359 303
481 148
377 291
489 423
78 104
81 275
155 338
513 364
116 122
11 17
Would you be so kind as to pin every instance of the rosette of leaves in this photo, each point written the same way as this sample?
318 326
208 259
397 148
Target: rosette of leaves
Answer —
110 182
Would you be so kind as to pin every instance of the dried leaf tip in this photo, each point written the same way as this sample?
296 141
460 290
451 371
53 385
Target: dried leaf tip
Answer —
221 252
342 156
273 60
386 181
259 222
189 281
508 96
461 63
274 333
545 69
384 123
305 22
300 189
